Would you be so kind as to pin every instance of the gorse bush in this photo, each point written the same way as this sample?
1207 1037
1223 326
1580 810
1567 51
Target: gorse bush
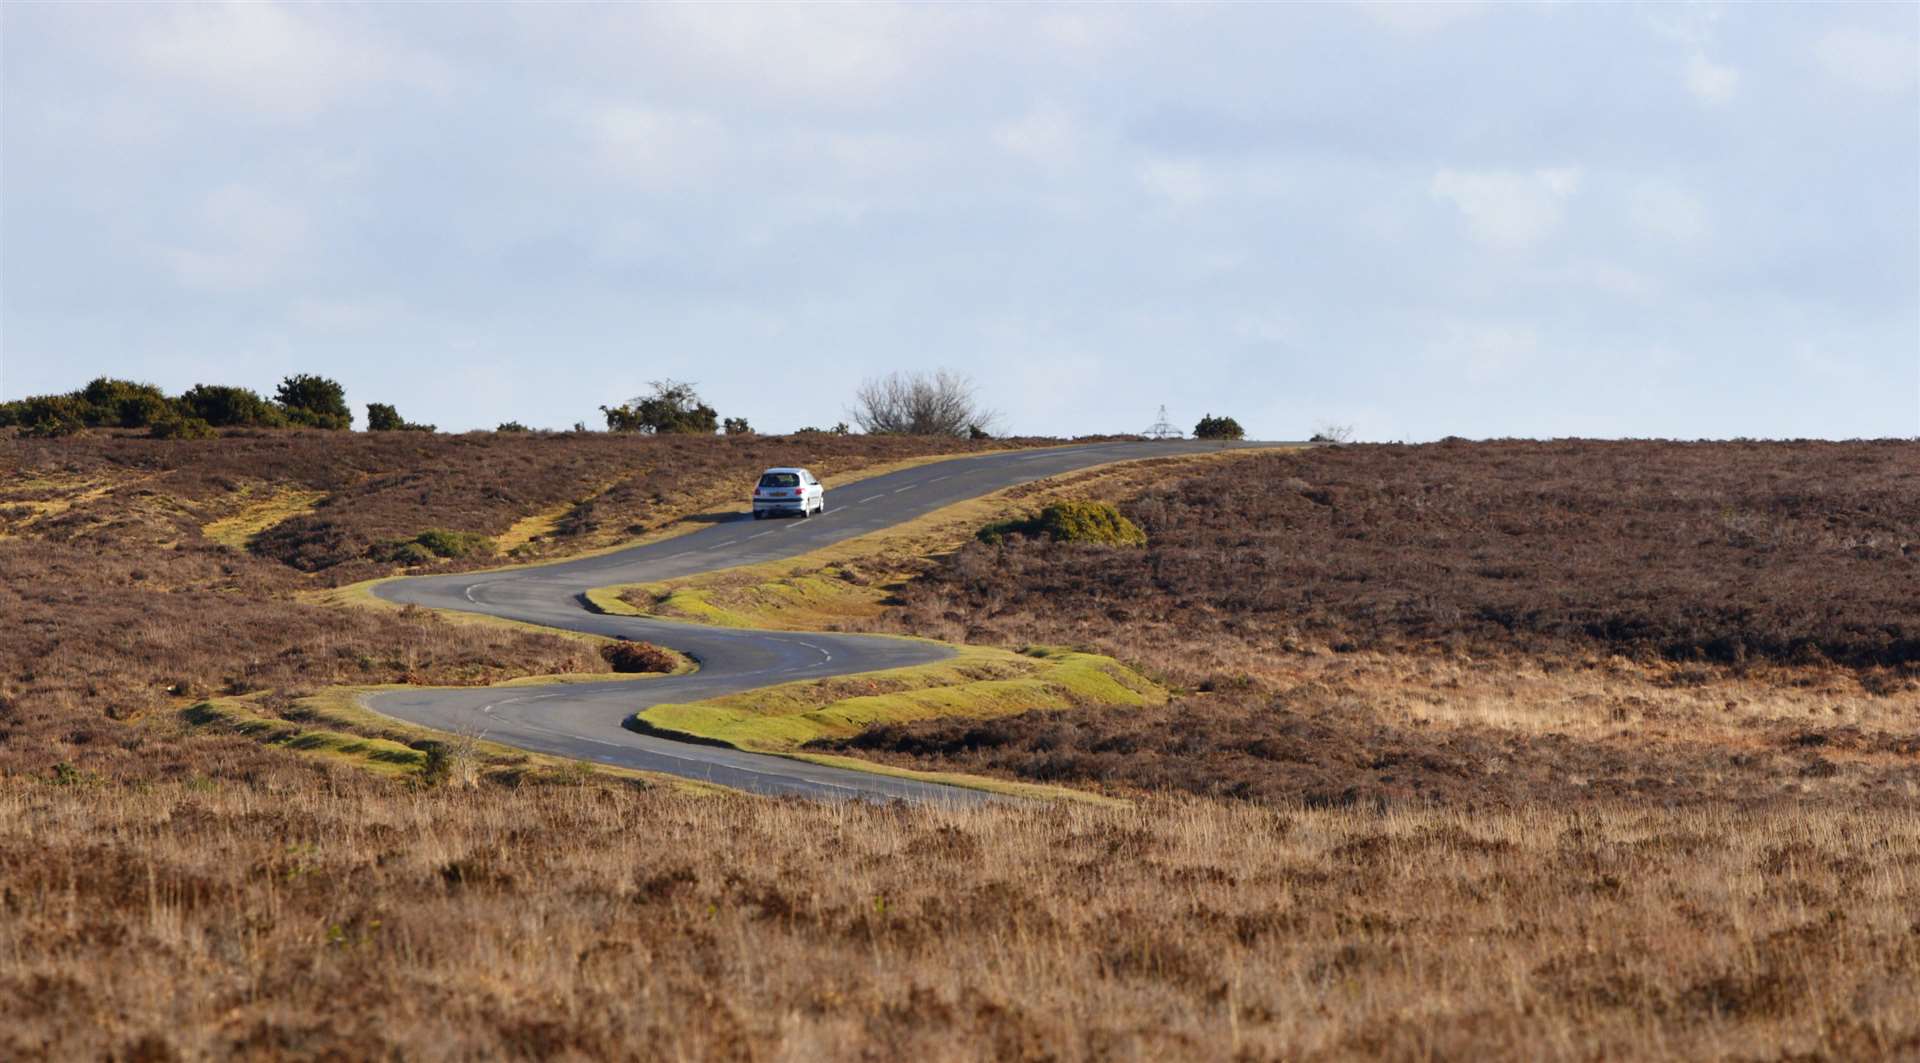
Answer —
124 403
103 403
48 415
431 545
174 426
302 400
1070 522
229 407
455 543
1211 427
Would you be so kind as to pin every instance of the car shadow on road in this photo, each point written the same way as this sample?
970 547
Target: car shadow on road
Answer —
721 517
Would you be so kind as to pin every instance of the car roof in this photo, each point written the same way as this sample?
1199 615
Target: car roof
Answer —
784 468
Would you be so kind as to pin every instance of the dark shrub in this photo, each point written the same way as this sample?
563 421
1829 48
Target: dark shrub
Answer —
454 543
638 657
229 407
50 415
123 403
1070 522
382 417
737 426
314 402
1211 427
174 426
511 426
673 407
411 553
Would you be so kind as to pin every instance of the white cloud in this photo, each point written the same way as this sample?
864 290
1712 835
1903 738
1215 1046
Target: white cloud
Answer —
1823 363
1411 16
1184 183
1047 136
343 315
280 63
653 146
1878 62
247 236
1267 327
847 52
1482 350
1711 82
1608 277
1667 212
1505 209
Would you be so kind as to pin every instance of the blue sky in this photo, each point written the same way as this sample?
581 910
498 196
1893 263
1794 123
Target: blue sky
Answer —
1480 220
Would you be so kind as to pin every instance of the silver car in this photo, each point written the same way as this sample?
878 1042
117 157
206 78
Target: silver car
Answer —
788 490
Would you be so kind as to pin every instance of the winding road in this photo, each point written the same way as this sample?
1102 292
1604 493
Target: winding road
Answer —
584 720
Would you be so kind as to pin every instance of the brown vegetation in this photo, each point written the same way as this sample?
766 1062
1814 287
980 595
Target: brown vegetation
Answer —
1486 624
638 657
1727 553
305 913
139 575
1518 831
381 490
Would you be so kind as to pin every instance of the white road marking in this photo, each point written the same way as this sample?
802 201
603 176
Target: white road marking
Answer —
937 479
470 596
869 498
909 487
761 535
717 546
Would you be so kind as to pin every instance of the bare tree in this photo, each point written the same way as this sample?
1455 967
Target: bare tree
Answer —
940 403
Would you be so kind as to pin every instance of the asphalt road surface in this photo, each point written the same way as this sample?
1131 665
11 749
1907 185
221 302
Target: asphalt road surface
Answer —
584 720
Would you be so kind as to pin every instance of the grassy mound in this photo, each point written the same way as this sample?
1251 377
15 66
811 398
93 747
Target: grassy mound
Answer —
979 683
1070 522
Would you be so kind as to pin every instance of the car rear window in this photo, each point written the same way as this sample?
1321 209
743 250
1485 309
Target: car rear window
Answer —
779 479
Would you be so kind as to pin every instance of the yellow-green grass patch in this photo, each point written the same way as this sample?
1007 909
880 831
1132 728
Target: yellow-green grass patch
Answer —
258 512
379 755
979 683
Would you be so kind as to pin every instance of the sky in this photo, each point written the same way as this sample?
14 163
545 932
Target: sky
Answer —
1688 221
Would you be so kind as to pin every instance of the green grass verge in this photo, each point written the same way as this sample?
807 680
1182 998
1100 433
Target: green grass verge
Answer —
980 683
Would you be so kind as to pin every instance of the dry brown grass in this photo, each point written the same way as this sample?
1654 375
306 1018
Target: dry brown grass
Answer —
308 914
1535 849
1485 624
